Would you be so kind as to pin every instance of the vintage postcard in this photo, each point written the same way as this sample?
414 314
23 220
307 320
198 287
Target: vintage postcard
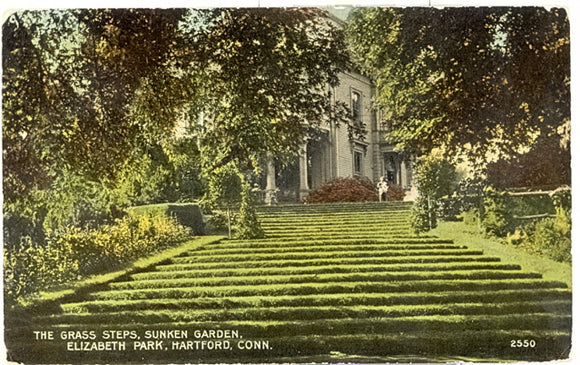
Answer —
287 184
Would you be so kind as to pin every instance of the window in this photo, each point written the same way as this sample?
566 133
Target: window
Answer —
357 163
356 107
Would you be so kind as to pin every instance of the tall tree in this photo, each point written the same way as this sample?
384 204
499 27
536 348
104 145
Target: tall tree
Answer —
472 80
266 76
82 89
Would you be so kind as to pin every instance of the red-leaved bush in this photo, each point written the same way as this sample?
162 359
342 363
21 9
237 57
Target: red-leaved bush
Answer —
344 189
351 189
395 192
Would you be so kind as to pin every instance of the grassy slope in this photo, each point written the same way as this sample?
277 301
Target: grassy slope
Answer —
467 235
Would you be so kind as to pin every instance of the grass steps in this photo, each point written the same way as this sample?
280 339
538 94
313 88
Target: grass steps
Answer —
329 261
317 270
353 299
329 280
324 288
145 283
480 315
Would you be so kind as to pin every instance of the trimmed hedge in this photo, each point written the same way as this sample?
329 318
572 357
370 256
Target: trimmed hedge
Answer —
186 214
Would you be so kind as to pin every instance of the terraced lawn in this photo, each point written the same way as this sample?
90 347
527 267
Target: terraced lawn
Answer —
340 282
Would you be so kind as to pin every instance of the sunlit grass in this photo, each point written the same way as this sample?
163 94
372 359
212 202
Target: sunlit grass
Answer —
467 235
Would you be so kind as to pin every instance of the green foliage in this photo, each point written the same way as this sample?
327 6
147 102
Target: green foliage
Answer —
269 90
247 224
465 200
187 214
225 190
525 205
545 166
424 214
459 78
497 218
471 217
72 84
218 221
168 171
71 200
78 95
562 198
229 190
344 189
225 187
435 178
76 252
549 237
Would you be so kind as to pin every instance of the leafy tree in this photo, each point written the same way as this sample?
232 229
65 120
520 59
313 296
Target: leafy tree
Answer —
225 190
266 74
435 178
81 91
497 218
545 166
470 80
248 226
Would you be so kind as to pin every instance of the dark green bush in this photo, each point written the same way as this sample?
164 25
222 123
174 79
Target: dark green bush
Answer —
423 215
562 198
497 219
186 214
74 252
247 224
525 205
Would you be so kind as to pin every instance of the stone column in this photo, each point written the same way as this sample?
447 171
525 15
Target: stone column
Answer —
303 167
271 190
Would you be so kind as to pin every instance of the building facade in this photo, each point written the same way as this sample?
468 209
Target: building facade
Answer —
336 152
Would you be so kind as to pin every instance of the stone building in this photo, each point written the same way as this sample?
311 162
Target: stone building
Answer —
334 153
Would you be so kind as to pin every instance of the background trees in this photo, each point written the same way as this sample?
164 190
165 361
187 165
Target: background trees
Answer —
479 82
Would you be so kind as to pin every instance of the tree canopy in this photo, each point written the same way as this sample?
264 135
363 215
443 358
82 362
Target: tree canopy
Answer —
90 90
470 80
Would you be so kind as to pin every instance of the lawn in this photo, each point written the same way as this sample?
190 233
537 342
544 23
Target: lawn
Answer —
468 235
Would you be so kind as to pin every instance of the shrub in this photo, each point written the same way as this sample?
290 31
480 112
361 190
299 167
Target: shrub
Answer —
349 189
435 179
76 252
562 198
471 217
497 218
186 214
217 222
225 190
423 215
395 193
247 224
526 205
551 237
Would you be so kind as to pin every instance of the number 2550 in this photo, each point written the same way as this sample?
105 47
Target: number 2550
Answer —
523 343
